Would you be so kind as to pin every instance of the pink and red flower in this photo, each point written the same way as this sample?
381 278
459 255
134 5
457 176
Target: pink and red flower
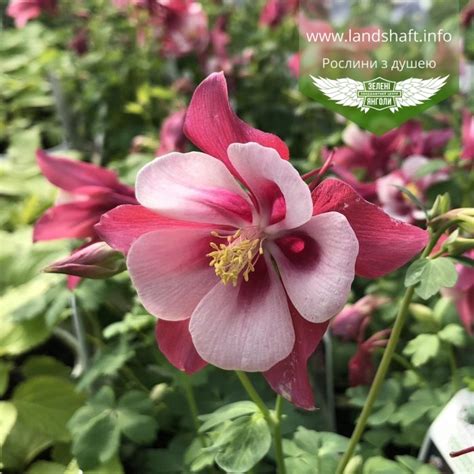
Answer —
377 156
393 201
361 366
172 137
211 229
180 25
348 323
274 11
86 192
463 294
22 11
468 136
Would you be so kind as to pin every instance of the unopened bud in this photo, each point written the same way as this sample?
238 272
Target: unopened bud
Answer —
463 217
421 312
95 261
159 391
459 246
441 205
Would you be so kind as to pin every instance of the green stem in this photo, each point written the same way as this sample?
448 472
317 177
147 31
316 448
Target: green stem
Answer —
386 360
280 460
191 400
454 369
255 397
273 419
378 380
80 335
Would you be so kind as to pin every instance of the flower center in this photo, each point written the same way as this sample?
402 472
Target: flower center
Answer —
414 189
238 256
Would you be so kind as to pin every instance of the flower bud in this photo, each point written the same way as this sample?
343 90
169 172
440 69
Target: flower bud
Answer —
421 312
441 205
463 217
459 246
96 261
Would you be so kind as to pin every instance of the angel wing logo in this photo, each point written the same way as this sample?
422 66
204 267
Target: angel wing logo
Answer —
379 93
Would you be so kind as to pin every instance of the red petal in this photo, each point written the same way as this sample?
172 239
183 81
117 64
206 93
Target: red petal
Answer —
74 220
212 125
70 175
174 341
122 225
73 282
289 377
385 244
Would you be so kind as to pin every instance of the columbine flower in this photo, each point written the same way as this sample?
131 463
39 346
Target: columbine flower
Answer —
467 14
361 365
378 156
463 294
185 27
246 276
25 10
221 274
348 323
394 201
180 25
172 137
86 192
274 11
468 136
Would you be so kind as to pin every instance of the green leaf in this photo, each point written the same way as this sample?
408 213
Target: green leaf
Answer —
110 467
410 412
453 334
107 362
423 348
415 466
379 465
8 416
46 467
379 437
23 444
227 412
98 440
313 452
430 275
135 418
44 365
382 415
248 441
96 427
307 440
17 338
46 403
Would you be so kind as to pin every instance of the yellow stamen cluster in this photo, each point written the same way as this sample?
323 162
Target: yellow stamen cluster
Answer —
413 188
237 256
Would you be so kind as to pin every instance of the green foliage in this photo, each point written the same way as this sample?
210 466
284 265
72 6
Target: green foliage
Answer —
242 443
239 437
430 275
97 427
423 348
107 363
313 452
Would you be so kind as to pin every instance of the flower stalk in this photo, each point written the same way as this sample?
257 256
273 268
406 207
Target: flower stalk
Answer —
385 362
273 419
